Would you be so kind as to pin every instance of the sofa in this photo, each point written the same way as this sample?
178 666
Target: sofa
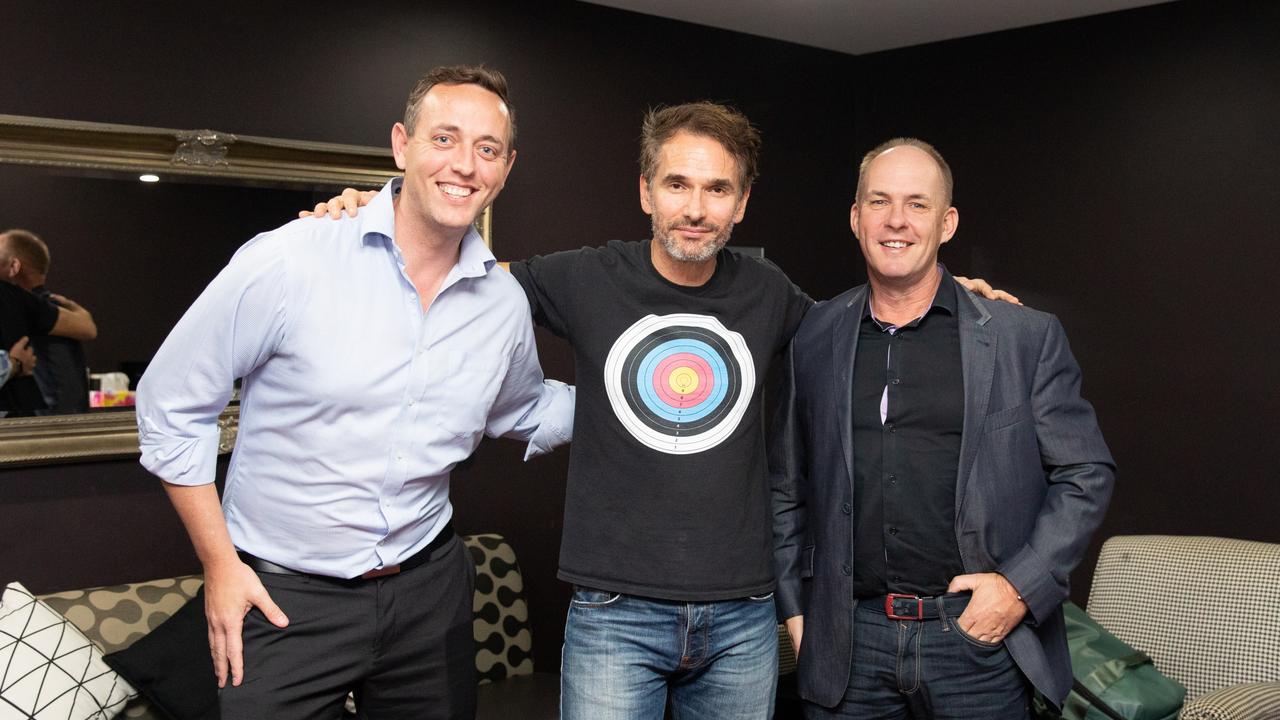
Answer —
116 617
1207 612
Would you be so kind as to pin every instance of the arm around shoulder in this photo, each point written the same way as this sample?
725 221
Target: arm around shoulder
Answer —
74 321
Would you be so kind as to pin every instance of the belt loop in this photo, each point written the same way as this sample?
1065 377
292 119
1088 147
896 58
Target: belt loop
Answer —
942 612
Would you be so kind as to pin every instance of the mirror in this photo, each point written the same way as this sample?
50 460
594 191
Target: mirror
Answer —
136 254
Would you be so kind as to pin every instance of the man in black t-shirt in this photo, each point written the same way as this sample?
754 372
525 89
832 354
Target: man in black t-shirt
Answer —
24 261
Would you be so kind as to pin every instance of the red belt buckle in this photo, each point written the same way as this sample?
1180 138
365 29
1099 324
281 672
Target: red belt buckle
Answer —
381 572
889 610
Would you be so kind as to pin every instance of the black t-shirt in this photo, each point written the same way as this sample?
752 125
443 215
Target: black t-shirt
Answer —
22 314
668 491
61 373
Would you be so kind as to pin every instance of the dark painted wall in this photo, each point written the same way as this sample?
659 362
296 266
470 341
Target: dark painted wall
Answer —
1123 171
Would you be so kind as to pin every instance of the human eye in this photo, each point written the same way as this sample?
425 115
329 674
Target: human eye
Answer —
442 140
489 152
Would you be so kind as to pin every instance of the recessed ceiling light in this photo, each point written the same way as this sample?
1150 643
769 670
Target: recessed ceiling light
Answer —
149 178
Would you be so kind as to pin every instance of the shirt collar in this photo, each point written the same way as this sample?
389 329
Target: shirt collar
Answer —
379 221
944 299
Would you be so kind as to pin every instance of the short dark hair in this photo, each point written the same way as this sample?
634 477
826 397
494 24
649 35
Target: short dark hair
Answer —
27 247
721 123
948 185
491 80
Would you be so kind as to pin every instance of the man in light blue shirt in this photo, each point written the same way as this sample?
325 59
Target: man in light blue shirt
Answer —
374 352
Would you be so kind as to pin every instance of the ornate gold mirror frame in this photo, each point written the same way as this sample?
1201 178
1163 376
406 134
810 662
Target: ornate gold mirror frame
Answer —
88 146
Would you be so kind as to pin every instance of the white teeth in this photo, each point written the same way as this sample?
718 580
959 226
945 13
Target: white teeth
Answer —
456 191
897 244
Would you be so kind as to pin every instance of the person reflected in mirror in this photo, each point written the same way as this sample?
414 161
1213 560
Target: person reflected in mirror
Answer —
62 374
24 314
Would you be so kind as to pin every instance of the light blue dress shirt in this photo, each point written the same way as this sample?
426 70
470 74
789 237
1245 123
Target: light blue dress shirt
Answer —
355 404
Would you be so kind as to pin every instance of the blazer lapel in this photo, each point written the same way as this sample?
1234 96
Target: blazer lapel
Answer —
978 358
844 348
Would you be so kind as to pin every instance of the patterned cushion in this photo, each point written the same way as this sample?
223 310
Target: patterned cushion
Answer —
48 669
504 642
1207 610
115 616
1253 701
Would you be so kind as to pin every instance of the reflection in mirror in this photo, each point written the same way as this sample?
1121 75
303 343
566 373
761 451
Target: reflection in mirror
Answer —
136 254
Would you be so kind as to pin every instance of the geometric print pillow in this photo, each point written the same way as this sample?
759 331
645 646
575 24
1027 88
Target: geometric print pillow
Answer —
49 669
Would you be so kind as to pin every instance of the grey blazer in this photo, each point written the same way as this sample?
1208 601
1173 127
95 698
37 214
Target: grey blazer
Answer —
1033 482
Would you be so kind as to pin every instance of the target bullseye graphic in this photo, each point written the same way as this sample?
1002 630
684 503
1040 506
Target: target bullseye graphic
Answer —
683 380
679 383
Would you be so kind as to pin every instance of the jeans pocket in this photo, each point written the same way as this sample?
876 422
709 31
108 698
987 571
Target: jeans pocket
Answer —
973 640
585 597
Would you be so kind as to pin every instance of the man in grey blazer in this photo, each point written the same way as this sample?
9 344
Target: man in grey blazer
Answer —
936 476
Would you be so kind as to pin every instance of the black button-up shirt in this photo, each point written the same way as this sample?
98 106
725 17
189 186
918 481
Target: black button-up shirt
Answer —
908 414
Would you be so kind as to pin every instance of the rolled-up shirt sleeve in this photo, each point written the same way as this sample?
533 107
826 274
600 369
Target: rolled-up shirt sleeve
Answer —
233 327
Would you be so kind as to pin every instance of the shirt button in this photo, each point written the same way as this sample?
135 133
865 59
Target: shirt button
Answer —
893 531
847 508
847 570
894 381
410 403
893 479
891 428
897 579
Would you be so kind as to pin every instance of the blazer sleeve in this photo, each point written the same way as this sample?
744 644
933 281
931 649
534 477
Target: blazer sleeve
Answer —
787 482
1080 474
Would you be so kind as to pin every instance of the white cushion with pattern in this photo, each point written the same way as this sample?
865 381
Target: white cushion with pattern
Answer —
49 669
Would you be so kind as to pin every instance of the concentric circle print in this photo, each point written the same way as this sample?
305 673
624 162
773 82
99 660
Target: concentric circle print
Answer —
679 383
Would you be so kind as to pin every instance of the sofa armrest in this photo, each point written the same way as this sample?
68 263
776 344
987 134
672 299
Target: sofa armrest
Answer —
1247 701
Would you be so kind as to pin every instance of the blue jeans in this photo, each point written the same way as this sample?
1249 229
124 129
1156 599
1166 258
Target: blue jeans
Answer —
627 657
927 670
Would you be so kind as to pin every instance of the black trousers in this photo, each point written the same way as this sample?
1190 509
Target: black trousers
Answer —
403 643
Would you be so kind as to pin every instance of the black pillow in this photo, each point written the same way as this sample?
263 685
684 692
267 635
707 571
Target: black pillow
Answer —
172 667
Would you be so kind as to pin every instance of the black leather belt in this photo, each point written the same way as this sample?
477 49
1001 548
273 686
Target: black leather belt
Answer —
913 607
419 558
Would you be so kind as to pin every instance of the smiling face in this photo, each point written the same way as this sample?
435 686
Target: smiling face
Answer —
902 217
694 198
457 159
